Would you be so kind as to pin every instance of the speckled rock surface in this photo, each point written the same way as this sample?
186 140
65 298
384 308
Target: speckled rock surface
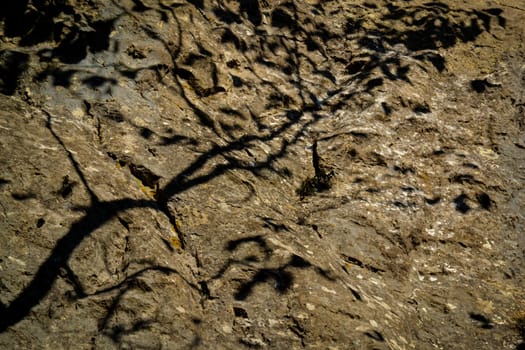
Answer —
262 174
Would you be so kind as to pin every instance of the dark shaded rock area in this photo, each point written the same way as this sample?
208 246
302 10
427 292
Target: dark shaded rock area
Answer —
196 174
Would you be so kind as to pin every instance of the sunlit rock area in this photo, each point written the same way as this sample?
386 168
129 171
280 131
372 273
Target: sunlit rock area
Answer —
289 174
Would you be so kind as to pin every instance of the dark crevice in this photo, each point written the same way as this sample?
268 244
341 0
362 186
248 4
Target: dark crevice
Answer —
357 262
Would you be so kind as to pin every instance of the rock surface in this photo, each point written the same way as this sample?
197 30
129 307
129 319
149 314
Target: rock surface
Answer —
262 174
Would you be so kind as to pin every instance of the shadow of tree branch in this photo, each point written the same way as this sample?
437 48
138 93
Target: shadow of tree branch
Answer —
420 29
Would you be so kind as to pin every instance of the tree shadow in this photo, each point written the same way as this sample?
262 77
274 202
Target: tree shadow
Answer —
294 52
280 277
484 322
118 291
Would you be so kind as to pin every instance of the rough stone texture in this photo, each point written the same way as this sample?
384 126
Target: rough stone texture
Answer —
266 174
